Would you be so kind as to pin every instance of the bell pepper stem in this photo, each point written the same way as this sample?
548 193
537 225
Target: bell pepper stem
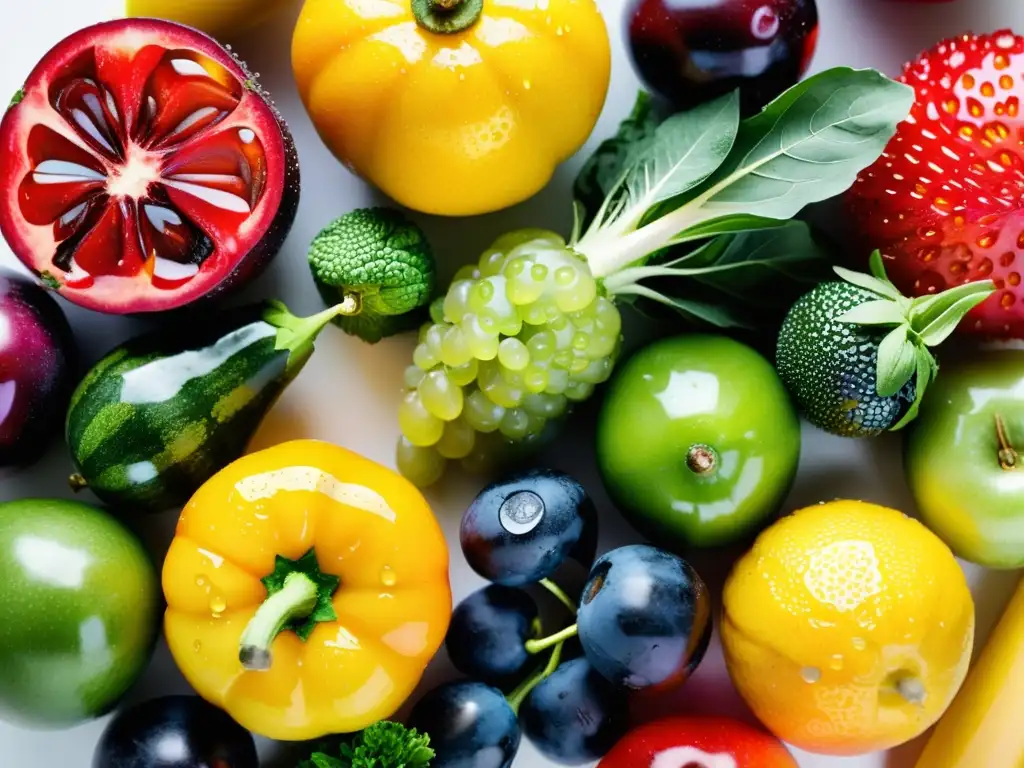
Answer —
446 17
1008 457
536 646
295 600
559 594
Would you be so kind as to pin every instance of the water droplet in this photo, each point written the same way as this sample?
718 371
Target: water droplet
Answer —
859 643
526 84
217 605
810 674
197 646
200 581
388 577
836 663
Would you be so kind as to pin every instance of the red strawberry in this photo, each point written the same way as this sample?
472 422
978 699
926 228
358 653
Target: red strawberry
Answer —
945 201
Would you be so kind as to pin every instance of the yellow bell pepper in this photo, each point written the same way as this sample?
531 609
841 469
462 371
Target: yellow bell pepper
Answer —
453 107
307 588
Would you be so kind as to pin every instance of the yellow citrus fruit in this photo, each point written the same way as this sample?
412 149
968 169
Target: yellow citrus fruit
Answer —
215 17
847 628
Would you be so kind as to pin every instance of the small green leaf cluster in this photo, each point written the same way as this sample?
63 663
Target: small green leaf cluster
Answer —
382 745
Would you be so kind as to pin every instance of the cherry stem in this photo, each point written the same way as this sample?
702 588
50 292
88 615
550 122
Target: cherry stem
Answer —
536 646
559 594
1008 457
518 696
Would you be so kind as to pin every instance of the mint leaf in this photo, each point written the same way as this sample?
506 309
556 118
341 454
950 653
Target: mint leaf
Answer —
897 359
807 145
605 168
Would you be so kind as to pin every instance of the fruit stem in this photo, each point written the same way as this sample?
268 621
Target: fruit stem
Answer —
77 482
559 594
446 17
518 696
351 304
1008 457
297 334
295 600
911 689
701 459
536 646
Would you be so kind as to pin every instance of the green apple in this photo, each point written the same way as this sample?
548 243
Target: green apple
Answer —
697 441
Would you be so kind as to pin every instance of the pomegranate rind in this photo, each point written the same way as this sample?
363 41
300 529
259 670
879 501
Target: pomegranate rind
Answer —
236 260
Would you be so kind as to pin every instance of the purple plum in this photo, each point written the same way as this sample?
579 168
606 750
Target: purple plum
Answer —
37 364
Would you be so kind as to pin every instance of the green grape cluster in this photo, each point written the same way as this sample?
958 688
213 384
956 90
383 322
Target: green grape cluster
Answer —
518 338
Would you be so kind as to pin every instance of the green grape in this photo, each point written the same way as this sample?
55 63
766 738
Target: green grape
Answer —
419 425
597 371
457 441
515 423
455 349
440 396
456 301
513 354
545 406
467 272
464 374
579 390
437 310
422 466
535 379
413 376
558 380
423 357
482 344
481 413
541 345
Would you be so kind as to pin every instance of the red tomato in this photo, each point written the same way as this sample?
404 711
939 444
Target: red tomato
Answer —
707 742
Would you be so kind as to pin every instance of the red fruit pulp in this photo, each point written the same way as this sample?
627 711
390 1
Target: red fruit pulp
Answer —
37 361
945 202
143 169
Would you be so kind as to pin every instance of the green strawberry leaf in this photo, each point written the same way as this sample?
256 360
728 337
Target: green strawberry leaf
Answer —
938 316
880 312
896 361
877 266
926 368
869 283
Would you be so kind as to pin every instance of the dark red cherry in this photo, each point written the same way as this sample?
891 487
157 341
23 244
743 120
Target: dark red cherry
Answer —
691 51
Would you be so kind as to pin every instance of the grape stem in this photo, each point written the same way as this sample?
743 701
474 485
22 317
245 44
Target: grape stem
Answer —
559 594
543 643
518 696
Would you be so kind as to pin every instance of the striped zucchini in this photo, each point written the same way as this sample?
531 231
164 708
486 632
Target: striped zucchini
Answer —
159 415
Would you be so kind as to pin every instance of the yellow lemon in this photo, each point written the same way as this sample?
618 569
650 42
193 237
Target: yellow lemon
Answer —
847 628
215 17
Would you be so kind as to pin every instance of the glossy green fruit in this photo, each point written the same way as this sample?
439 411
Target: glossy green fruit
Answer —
697 441
79 611
161 414
962 461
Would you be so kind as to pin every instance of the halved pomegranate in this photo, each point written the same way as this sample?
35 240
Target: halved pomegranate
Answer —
143 169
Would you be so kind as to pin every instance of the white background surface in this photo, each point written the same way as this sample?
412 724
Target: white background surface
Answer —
349 391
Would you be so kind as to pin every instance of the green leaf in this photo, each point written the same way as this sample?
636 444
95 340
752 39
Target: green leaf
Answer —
877 266
869 283
880 312
729 225
806 146
896 361
926 369
695 311
17 98
938 316
605 168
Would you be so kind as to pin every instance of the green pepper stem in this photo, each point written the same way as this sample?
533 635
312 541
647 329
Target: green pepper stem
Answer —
518 696
296 600
446 17
559 594
536 646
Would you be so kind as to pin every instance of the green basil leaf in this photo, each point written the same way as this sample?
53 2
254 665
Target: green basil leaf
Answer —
605 168
896 361
868 283
806 146
880 312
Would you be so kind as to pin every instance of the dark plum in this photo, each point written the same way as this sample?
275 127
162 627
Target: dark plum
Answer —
521 529
576 715
692 51
37 362
470 726
487 632
644 618
174 732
